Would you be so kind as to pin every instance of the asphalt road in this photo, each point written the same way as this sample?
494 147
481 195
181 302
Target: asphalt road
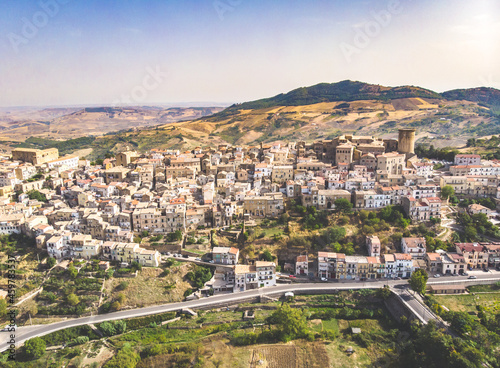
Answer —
420 309
25 333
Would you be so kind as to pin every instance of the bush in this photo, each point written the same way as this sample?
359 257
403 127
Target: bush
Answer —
35 348
79 341
113 328
51 262
63 336
344 220
122 285
126 358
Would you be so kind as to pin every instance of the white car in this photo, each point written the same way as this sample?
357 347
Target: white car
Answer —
324 279
437 275
9 328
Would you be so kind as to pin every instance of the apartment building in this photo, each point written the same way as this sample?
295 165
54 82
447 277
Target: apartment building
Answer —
475 254
327 264
225 255
302 265
415 247
433 262
467 159
373 245
281 174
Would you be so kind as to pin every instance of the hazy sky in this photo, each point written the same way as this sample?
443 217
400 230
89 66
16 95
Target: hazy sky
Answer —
64 52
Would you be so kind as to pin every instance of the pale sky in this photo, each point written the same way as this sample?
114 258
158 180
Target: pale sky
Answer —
102 52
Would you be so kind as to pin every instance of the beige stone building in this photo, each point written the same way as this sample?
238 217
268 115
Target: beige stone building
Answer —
126 158
268 205
118 173
391 163
35 156
281 174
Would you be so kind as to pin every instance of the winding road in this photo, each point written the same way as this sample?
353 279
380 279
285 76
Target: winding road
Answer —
27 332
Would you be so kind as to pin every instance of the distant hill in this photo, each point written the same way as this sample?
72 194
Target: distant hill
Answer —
342 91
57 124
319 112
489 97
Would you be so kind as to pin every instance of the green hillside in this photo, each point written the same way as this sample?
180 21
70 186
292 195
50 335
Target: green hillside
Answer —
488 97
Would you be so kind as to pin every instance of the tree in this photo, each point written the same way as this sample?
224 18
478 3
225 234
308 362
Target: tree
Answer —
384 292
35 194
120 327
447 191
267 256
121 298
418 281
461 322
343 205
3 308
135 266
35 348
51 262
291 322
470 233
72 271
284 218
126 358
72 299
107 328
175 236
334 234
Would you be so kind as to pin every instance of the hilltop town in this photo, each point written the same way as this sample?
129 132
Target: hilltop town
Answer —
106 211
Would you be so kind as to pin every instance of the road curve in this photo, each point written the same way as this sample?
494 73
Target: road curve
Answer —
25 333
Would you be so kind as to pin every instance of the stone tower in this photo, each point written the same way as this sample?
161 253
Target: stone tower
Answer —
406 142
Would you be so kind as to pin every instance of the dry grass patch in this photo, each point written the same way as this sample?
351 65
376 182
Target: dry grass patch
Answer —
150 288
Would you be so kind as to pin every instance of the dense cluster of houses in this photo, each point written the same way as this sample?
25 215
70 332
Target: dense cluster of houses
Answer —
97 210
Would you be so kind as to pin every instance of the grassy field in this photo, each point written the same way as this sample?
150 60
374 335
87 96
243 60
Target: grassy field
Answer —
468 302
151 286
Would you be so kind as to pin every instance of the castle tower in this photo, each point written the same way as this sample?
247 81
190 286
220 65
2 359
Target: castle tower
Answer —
406 142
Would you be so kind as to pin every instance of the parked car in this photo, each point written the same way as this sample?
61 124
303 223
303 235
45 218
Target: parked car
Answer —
454 274
293 277
185 256
472 277
324 279
437 275
212 261
198 259
465 274
9 328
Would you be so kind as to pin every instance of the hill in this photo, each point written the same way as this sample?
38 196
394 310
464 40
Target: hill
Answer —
333 92
68 123
319 112
488 97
